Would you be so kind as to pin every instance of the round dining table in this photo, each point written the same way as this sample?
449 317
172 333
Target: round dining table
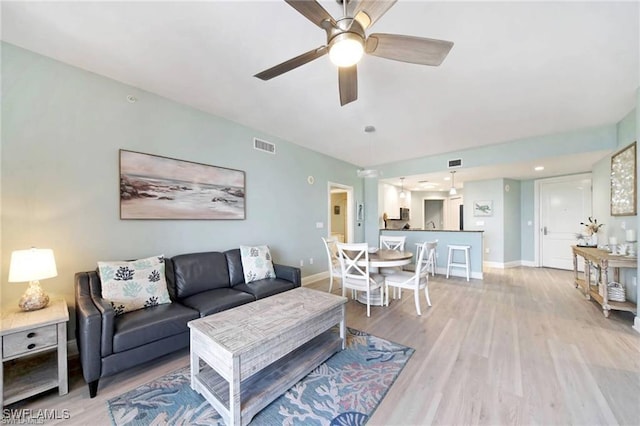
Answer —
383 258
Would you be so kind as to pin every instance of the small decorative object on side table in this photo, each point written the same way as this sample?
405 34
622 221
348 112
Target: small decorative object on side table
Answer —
25 334
592 228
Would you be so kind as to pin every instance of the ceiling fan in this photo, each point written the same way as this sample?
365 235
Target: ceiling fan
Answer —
347 42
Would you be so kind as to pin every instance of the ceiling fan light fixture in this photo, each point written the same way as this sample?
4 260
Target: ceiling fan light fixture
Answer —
346 49
363 19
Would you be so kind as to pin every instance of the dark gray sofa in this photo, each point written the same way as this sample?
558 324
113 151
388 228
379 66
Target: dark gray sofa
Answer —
199 284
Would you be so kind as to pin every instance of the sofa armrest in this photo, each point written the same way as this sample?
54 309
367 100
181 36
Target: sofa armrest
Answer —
108 317
107 313
289 273
88 329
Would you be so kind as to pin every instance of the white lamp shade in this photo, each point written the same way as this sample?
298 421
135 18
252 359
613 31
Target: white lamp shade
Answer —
32 265
346 50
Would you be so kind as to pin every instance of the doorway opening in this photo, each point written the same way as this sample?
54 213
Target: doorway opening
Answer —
433 214
443 213
341 212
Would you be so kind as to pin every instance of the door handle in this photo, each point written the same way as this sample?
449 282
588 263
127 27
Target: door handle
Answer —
544 231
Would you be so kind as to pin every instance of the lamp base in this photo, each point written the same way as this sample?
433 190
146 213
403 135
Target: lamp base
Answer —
34 298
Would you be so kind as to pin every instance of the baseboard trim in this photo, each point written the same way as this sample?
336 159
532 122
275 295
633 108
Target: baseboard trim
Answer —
507 265
310 279
457 272
528 263
636 324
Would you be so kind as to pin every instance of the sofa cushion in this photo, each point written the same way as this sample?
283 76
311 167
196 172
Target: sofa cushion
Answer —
198 272
212 301
265 288
133 285
141 327
256 263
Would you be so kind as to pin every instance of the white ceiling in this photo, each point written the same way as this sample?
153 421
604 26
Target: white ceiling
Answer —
517 69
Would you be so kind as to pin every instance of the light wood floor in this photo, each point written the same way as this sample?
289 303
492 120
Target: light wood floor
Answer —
520 347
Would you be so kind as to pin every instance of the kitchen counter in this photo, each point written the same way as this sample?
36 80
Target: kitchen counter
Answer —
424 230
475 239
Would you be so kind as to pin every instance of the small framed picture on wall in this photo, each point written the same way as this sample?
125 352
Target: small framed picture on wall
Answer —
336 209
483 208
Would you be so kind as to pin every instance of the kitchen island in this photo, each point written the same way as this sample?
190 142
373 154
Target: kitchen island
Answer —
445 238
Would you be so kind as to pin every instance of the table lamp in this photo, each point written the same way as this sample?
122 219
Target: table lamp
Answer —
32 265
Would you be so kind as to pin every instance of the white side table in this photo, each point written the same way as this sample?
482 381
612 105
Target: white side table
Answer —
24 334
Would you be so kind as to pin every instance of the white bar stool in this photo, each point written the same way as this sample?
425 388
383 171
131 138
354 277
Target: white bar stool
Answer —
452 264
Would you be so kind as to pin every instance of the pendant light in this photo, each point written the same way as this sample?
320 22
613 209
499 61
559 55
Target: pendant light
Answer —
452 191
402 194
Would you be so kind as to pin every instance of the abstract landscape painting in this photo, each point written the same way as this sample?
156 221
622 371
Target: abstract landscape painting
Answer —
154 187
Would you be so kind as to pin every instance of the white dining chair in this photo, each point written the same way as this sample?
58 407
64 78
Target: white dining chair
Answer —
392 243
354 264
431 258
332 256
415 281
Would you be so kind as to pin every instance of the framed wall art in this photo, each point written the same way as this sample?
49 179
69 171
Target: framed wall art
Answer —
623 182
359 212
483 208
155 187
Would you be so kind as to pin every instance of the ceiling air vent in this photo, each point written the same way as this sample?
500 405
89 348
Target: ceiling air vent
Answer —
262 145
452 164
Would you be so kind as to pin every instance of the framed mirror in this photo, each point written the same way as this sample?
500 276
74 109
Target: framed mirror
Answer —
623 182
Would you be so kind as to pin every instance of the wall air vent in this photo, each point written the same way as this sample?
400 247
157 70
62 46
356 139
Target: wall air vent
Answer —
262 145
452 164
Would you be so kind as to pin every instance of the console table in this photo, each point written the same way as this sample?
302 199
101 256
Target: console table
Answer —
602 260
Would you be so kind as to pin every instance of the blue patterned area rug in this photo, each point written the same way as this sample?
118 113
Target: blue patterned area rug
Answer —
345 390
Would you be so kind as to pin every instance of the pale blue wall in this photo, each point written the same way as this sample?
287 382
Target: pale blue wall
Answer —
512 220
626 129
62 129
583 140
486 190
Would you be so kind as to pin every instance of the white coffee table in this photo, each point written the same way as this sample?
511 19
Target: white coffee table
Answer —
253 353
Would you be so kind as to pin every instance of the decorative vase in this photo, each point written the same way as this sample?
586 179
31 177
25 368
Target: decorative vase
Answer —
594 240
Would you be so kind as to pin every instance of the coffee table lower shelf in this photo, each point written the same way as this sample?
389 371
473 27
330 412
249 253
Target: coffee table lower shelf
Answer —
259 390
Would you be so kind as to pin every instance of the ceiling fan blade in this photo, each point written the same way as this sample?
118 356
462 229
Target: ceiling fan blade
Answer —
374 9
312 10
416 50
348 84
292 63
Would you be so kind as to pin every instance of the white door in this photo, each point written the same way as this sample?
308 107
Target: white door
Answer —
564 203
